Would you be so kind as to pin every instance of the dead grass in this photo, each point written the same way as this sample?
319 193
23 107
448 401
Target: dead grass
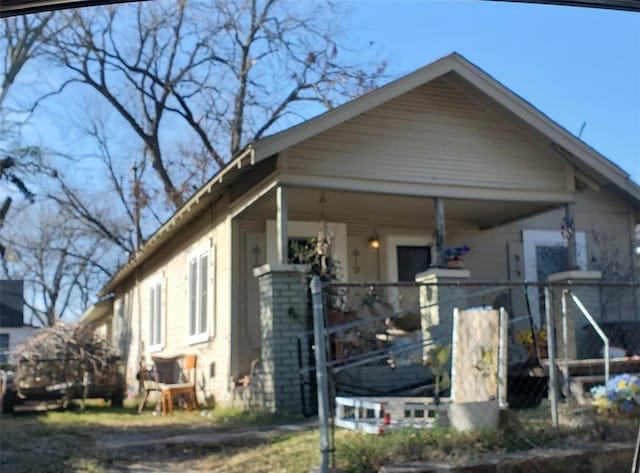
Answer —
74 441
69 441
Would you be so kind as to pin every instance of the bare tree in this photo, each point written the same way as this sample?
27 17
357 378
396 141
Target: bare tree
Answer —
59 262
21 40
610 256
217 74
193 83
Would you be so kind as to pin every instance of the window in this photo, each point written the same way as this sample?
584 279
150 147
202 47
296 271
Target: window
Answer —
119 326
198 288
155 316
545 253
4 347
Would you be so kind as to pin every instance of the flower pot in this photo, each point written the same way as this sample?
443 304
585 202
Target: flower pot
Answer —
454 264
542 349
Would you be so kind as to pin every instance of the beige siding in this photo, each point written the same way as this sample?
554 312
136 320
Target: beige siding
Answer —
170 266
436 135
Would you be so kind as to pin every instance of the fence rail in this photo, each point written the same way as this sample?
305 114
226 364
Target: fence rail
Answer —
391 339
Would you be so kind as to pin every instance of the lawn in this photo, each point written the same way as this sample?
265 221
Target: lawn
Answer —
238 442
73 441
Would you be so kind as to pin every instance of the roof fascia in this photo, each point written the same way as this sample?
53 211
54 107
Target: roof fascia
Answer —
582 152
177 220
97 311
538 120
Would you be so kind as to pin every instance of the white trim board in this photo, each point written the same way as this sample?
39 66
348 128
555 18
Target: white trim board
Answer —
299 229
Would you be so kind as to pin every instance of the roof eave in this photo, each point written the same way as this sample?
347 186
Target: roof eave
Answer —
584 154
179 218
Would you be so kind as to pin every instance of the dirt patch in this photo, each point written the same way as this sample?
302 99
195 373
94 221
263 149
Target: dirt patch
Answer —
36 442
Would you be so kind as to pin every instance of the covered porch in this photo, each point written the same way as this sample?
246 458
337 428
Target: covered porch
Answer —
379 237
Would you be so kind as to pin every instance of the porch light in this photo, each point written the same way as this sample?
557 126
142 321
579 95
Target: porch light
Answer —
374 242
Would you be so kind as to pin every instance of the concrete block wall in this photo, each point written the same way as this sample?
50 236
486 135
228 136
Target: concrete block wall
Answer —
438 301
283 318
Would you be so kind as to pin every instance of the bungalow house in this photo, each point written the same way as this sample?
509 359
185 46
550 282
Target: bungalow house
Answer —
444 156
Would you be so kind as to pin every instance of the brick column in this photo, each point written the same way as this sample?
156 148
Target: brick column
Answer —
283 316
590 297
438 301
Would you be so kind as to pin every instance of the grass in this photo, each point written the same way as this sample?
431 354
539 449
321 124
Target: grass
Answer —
70 441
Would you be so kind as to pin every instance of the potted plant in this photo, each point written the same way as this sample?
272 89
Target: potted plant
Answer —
527 337
437 361
454 256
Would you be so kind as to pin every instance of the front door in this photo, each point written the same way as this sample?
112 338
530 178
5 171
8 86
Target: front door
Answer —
545 253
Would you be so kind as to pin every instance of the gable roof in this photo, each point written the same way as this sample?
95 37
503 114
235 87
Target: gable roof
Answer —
572 148
586 159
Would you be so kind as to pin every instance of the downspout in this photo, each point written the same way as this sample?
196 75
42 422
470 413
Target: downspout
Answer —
139 304
634 220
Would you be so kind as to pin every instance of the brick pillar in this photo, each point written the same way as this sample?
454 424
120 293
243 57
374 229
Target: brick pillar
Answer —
437 302
590 297
283 316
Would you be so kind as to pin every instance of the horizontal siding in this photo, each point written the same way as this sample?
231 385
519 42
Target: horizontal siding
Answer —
433 134
208 230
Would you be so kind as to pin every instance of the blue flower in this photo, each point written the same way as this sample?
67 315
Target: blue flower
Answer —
457 251
621 392
627 406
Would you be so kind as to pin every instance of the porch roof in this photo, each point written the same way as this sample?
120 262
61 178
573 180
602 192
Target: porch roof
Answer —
390 209
592 168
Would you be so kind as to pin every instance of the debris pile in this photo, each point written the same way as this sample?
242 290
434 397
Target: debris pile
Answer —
62 356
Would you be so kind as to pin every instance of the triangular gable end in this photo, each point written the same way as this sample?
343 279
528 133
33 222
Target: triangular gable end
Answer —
435 135
565 145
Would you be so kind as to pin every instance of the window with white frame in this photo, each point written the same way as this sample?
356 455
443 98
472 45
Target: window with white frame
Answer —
155 315
198 295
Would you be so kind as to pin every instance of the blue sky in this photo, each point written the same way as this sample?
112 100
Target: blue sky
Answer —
574 64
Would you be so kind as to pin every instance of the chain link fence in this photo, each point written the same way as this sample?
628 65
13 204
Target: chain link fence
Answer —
456 354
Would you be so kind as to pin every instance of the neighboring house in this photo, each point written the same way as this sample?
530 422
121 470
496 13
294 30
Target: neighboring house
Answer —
446 150
13 330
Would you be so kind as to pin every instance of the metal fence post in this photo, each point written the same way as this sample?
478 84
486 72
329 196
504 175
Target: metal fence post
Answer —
565 345
321 372
551 348
502 362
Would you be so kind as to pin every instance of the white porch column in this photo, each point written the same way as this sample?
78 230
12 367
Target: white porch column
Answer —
282 233
440 233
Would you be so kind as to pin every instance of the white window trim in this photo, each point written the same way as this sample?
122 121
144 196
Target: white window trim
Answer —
197 254
533 238
298 229
157 280
392 242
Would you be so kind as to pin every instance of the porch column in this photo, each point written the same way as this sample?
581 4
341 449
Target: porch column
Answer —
577 338
438 300
283 319
282 217
440 233
570 230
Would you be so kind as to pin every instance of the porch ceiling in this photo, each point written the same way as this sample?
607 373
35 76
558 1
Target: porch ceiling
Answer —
380 209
